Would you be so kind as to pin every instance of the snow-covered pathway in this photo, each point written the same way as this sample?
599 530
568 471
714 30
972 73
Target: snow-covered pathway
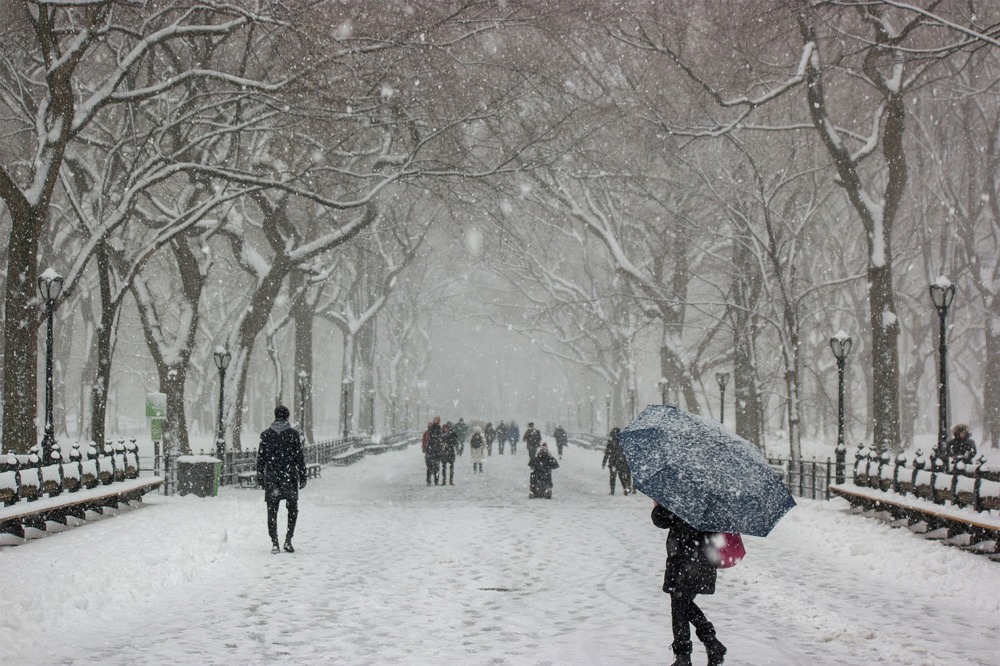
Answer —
391 571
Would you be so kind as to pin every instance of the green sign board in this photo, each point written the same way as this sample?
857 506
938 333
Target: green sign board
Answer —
156 405
156 428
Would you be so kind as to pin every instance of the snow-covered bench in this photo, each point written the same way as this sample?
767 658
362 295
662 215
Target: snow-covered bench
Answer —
34 494
249 479
961 508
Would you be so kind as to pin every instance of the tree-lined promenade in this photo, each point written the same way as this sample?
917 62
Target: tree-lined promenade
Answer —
649 195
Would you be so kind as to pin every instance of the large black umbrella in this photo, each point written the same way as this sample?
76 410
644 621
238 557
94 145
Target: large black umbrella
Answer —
712 479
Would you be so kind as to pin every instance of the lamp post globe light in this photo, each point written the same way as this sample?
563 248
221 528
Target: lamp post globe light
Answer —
222 358
722 378
50 284
663 385
840 345
942 294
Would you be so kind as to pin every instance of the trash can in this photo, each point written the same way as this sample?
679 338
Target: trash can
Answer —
198 475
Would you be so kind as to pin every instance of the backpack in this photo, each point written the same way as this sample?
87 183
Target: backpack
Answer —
725 549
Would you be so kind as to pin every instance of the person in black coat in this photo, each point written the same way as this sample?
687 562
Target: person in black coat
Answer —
281 472
614 458
432 454
689 572
449 447
490 434
540 482
532 439
961 447
562 439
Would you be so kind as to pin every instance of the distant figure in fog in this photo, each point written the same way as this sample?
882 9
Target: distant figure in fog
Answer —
281 472
432 453
540 481
490 434
513 435
562 438
532 440
449 447
462 432
614 458
502 434
477 449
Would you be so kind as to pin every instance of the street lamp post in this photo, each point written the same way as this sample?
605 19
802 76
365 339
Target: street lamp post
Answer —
222 358
593 414
663 385
607 411
631 403
942 294
303 387
722 378
840 344
345 411
50 284
371 411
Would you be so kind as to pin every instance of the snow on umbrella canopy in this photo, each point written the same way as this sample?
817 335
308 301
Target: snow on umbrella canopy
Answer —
711 478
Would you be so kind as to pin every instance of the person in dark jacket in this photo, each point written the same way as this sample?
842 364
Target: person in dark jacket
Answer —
961 447
562 439
281 472
614 459
502 435
540 482
490 434
689 572
449 447
513 436
532 439
462 431
432 454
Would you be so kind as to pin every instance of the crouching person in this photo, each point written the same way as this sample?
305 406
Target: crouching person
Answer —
540 482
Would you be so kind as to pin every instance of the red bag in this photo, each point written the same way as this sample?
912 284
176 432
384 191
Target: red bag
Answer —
726 549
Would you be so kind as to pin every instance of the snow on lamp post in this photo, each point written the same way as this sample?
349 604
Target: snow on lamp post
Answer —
840 344
222 358
942 294
303 387
663 385
50 284
722 378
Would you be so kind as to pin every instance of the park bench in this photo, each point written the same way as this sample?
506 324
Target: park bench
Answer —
249 479
960 508
68 487
348 457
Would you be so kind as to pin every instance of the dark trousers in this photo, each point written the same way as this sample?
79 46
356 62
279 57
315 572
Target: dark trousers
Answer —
475 465
683 613
623 475
448 472
292 506
432 470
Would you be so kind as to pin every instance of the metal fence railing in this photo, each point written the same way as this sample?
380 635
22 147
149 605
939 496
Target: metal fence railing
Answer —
235 463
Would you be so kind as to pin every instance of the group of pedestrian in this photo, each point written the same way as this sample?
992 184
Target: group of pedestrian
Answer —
441 445
689 571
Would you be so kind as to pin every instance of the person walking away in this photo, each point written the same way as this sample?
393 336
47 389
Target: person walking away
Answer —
502 435
432 457
513 436
490 434
540 481
689 572
614 459
961 447
449 446
281 472
462 431
532 439
477 449
561 439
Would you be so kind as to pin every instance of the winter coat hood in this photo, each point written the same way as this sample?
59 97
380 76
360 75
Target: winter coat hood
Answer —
280 425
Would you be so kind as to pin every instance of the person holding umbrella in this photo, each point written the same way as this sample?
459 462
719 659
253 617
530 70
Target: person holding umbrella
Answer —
689 572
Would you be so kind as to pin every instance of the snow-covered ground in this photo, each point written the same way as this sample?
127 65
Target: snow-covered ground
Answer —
391 571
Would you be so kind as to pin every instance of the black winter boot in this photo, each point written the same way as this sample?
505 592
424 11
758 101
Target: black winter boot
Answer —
682 653
715 649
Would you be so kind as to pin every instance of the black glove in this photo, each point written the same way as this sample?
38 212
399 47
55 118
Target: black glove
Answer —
302 483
